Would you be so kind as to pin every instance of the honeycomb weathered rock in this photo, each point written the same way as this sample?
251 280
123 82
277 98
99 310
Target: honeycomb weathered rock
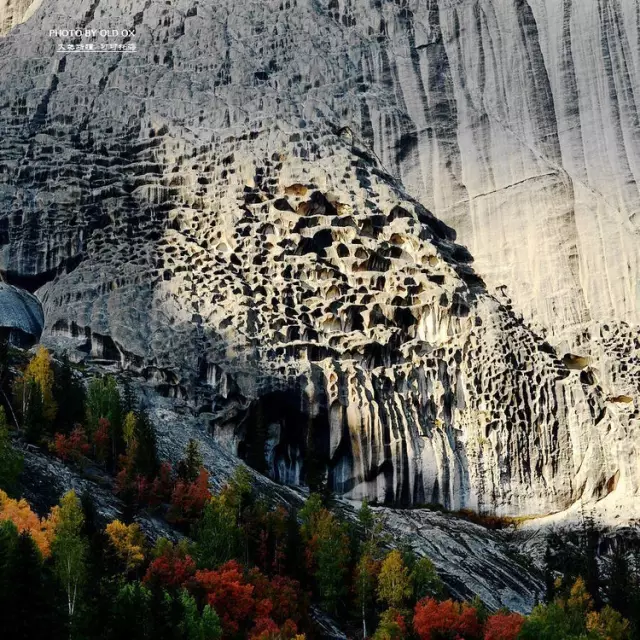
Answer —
198 211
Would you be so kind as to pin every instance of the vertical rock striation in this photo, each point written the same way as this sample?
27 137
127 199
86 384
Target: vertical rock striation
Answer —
218 212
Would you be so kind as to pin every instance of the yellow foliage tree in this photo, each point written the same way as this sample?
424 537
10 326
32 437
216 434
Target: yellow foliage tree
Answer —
40 371
129 430
579 598
609 624
128 543
394 582
19 512
69 547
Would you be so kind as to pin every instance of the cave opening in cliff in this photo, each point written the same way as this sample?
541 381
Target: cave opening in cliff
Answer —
281 438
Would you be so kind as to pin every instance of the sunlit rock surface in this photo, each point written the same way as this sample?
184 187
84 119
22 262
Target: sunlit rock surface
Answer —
14 12
206 212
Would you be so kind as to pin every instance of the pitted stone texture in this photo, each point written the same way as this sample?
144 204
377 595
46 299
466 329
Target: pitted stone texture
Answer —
515 122
324 282
201 218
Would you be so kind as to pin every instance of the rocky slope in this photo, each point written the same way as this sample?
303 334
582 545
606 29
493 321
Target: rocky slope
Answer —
197 211
471 560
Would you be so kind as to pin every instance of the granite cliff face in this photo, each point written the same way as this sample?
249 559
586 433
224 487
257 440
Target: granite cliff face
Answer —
217 211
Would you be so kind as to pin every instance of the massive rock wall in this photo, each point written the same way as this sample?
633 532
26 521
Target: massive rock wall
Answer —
151 199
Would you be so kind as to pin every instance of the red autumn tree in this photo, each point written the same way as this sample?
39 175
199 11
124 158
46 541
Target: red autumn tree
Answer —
102 440
503 626
189 499
171 569
71 447
162 485
264 629
267 529
398 618
61 447
142 490
267 629
286 598
434 620
125 485
229 595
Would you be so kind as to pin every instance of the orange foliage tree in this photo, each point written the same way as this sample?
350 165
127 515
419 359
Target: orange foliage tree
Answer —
19 512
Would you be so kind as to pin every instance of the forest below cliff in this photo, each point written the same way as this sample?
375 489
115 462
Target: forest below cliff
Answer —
232 564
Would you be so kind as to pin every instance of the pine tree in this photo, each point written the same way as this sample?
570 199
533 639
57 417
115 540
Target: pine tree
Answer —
129 399
191 462
294 550
129 429
31 603
146 453
5 381
373 534
549 577
218 537
365 585
10 460
634 597
328 552
165 616
69 395
35 423
131 613
619 583
103 401
425 580
590 544
8 543
196 625
4 356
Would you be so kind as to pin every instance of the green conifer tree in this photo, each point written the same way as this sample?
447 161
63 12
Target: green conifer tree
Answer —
146 455
31 604
191 462
35 423
10 460
69 395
